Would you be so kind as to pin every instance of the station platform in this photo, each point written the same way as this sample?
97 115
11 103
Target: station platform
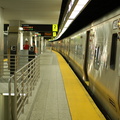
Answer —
60 95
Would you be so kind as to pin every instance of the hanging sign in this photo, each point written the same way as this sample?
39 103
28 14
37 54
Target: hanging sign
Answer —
55 27
54 34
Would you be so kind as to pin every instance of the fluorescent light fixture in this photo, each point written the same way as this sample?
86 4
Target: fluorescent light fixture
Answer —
65 17
69 8
20 28
78 8
82 2
74 14
7 94
72 1
63 30
12 94
68 23
21 41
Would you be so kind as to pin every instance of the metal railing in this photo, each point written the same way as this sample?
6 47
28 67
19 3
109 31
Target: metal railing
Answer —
12 63
21 84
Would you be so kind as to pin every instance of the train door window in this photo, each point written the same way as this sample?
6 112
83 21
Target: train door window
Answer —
97 57
113 51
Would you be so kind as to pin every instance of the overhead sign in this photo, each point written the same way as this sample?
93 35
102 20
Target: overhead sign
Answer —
55 27
28 28
37 27
54 34
48 34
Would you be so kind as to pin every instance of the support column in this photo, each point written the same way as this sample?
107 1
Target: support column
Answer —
1 40
13 44
42 44
13 35
38 44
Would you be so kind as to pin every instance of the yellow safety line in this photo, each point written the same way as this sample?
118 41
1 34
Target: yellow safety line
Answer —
80 103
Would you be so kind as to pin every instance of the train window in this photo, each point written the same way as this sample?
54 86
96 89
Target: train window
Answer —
97 57
113 51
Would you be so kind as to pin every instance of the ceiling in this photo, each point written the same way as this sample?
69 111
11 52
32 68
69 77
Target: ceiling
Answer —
32 11
93 11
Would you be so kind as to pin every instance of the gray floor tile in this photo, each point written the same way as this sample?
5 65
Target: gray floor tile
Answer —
64 114
51 114
37 115
51 102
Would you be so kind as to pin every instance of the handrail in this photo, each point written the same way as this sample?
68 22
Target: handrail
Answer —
14 62
24 82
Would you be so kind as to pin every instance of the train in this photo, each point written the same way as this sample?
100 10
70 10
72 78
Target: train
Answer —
94 53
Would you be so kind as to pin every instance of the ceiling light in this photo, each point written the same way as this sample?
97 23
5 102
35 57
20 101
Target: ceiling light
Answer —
63 30
82 2
68 23
79 6
20 28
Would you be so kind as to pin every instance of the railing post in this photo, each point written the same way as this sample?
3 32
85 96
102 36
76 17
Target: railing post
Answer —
15 62
15 96
23 93
27 89
9 97
38 66
26 86
34 72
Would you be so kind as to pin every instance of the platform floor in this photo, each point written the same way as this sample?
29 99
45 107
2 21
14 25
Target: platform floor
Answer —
51 102
60 95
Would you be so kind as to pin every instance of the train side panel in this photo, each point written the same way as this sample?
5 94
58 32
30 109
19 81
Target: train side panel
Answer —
94 53
102 73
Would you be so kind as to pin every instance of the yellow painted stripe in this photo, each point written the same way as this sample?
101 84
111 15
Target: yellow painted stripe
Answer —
80 103
5 60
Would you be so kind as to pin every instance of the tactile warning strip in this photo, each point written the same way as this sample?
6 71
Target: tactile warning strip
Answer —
82 107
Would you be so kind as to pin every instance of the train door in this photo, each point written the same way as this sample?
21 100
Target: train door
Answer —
116 37
115 59
86 56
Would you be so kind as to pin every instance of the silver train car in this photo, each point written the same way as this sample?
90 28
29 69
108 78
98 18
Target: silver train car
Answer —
94 52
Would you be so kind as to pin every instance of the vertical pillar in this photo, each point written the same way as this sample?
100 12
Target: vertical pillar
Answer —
13 44
45 44
1 40
23 54
13 34
31 38
42 44
35 40
21 40
38 44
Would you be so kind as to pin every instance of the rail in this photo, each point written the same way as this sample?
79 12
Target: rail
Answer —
20 85
11 63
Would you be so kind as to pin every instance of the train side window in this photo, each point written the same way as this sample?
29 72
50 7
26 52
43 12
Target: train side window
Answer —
113 51
97 57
